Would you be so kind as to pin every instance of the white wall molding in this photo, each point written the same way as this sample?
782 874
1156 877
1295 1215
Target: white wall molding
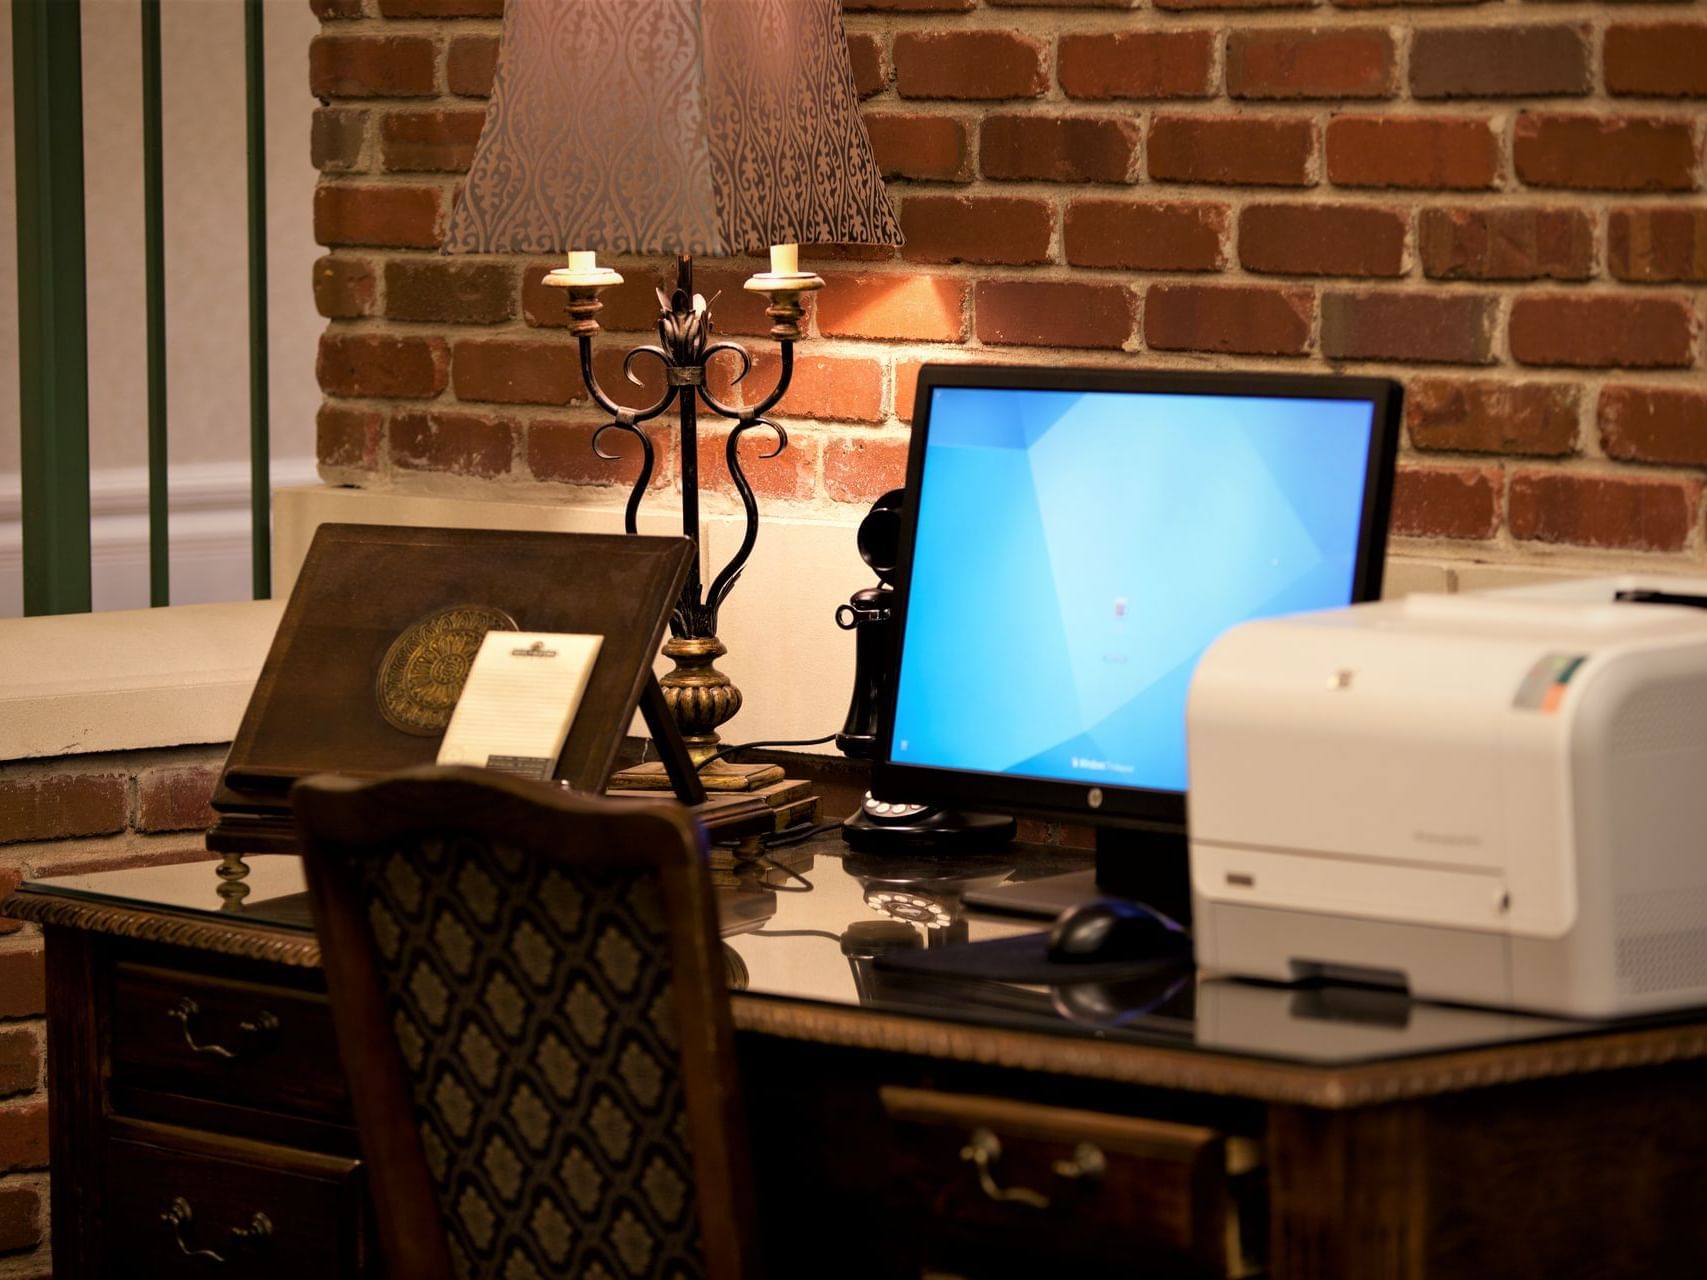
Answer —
208 527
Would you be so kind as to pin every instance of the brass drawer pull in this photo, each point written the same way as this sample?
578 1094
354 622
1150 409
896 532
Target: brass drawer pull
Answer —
984 1149
257 1033
249 1239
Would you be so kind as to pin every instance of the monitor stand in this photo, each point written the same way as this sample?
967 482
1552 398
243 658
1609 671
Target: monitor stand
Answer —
1148 865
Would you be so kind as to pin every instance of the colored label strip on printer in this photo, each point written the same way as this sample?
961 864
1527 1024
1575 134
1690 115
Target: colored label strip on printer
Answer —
1543 688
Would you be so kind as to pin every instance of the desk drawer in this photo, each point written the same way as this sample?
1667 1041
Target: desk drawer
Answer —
990 1178
175 1197
242 1042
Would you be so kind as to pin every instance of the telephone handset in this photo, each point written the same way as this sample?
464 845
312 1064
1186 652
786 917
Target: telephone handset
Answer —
883 826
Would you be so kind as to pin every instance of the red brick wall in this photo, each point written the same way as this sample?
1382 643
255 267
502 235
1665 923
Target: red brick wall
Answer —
62 817
1498 202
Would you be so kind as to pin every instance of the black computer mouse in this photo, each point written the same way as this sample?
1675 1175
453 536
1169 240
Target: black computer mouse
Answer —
1111 930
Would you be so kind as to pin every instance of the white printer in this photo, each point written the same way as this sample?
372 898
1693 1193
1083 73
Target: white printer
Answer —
1497 798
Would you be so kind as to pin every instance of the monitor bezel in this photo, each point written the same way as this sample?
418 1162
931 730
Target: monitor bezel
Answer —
1111 805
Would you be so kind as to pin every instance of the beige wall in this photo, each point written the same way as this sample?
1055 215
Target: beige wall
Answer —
206 233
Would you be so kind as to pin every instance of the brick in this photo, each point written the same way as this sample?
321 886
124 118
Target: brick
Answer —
1144 236
970 65
347 437
57 806
441 291
23 1135
1662 59
515 371
1470 243
176 798
1654 245
1446 502
734 311
365 364
1322 240
20 1061
862 468
1596 511
471 64
906 387
1059 148
1137 64
335 139
631 306
23 988
464 444
928 148
371 66
981 229
161 852
1052 313
1444 328
1391 4
824 254
1460 153
1232 150
1192 5
394 217
1604 153
1603 331
1534 418
545 307
894 308
1275 62
9 878
334 10
1500 62
344 287
830 388
909 6
870 65
1065 4
791 475
429 141
1654 424
20 1218
441 8
562 453
1238 319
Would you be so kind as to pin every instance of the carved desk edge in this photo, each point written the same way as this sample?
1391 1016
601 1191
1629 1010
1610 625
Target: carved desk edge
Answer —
246 939
1189 1070
1204 1071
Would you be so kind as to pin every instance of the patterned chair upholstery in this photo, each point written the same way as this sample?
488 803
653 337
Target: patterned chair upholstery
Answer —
527 992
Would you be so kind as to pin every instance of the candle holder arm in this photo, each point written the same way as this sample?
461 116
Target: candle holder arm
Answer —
627 420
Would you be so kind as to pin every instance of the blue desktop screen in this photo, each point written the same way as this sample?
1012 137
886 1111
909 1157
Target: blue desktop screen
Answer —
1075 552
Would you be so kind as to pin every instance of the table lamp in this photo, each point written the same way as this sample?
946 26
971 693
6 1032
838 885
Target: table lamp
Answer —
689 127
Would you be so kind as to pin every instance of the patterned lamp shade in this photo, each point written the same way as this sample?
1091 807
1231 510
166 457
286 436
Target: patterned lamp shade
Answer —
710 127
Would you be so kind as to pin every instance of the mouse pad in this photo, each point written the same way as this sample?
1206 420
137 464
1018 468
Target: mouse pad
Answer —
1023 958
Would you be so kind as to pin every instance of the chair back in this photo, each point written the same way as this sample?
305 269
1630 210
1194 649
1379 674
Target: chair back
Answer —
528 995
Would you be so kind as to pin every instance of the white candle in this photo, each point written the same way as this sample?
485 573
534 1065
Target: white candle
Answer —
785 259
581 260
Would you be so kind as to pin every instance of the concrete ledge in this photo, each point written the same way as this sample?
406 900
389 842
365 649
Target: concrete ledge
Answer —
80 683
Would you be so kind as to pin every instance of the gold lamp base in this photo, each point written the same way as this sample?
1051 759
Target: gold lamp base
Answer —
701 698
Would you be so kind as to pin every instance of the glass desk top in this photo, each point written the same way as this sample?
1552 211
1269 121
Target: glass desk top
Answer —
818 923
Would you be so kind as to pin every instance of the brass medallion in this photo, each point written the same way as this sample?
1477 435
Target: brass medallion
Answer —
423 672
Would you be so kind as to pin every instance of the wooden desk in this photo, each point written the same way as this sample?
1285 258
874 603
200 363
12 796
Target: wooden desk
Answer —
197 1105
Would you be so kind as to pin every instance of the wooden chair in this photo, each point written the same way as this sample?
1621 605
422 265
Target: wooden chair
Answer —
529 1003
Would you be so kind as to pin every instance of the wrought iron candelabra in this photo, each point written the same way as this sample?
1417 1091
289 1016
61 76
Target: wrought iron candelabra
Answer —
699 695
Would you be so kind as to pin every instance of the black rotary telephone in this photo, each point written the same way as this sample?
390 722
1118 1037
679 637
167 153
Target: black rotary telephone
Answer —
883 826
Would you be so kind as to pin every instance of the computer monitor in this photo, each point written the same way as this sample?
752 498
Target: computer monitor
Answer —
1072 541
